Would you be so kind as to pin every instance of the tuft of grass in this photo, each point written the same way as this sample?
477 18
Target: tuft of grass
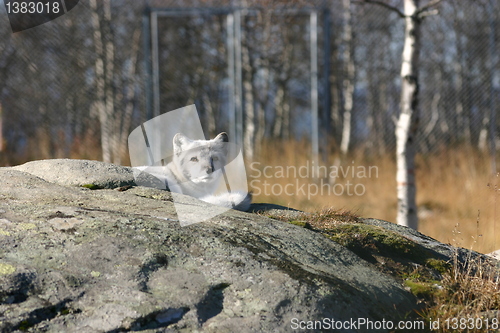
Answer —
471 292
321 219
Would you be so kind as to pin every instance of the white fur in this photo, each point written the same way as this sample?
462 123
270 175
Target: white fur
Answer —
238 200
196 170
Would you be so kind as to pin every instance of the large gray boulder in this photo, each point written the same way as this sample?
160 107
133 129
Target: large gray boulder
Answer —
79 172
74 259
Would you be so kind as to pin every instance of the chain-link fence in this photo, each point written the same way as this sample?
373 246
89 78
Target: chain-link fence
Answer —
93 70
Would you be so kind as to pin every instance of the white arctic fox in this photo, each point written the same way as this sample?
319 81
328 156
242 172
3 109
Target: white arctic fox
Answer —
197 170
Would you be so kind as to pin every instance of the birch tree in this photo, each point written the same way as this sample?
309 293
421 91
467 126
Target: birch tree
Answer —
347 89
407 123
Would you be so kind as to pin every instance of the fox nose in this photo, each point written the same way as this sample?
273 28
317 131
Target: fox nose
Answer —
210 168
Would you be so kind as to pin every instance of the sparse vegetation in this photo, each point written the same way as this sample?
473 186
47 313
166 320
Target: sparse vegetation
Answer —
471 292
446 289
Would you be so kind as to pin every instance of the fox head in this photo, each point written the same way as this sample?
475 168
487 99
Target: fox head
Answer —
200 161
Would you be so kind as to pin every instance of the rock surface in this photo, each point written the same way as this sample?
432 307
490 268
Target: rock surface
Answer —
74 259
79 172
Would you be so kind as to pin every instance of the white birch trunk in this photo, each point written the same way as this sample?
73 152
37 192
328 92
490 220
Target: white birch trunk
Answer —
406 128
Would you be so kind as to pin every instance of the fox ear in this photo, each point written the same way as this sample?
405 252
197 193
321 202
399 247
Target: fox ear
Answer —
179 140
222 137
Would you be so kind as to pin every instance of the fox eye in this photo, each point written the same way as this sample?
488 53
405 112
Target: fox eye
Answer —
194 159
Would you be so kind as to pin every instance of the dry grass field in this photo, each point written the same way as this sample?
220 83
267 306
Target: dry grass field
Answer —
457 195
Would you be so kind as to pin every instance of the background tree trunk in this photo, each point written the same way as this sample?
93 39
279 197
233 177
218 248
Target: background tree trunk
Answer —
492 104
1 129
129 98
101 104
109 54
406 128
348 83
249 106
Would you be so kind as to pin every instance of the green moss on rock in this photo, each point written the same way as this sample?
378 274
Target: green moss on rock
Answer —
425 290
92 186
368 240
301 224
439 265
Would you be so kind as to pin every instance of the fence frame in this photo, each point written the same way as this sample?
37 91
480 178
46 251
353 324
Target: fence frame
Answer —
233 42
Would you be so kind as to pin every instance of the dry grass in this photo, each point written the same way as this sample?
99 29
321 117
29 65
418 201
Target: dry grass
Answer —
468 301
42 146
323 219
455 190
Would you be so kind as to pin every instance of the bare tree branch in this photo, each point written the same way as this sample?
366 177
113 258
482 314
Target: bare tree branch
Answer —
421 12
427 7
383 4
429 13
